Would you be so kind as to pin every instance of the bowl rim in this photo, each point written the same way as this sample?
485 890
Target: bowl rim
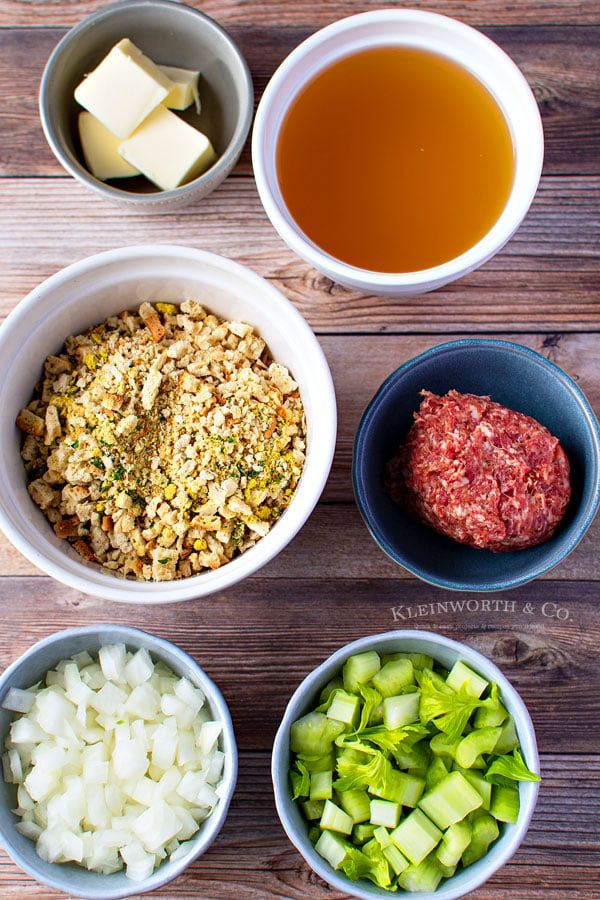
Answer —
110 587
299 703
160 648
497 236
370 414
157 197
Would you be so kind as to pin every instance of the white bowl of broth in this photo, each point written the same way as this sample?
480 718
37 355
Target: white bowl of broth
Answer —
397 150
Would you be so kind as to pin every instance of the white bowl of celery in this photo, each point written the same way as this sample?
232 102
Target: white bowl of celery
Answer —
406 762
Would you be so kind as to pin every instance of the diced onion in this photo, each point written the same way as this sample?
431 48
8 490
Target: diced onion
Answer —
116 761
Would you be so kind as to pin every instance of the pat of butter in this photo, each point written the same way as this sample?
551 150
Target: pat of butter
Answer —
101 150
185 88
124 88
167 150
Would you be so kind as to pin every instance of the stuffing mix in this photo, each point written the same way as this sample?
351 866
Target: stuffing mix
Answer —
163 442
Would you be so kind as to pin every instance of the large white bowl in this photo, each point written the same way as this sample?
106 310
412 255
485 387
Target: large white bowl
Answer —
32 667
446 651
414 28
84 294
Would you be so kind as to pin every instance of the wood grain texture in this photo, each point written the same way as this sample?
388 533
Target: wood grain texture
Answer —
546 278
562 66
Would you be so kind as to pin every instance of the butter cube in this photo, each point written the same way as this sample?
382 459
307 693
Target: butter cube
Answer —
185 88
167 150
101 150
124 88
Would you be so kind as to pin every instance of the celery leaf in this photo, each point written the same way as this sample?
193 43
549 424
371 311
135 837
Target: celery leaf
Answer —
449 710
512 767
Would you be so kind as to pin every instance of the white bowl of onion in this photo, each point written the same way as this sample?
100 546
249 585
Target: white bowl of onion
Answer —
119 761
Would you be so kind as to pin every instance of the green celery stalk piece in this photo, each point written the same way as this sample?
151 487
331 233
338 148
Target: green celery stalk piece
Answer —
320 785
505 803
344 707
363 832
394 677
382 835
512 767
360 669
508 739
450 800
462 678
402 788
455 841
313 809
423 877
397 861
331 848
484 832
317 763
480 783
335 819
416 836
436 770
440 745
332 685
385 812
356 803
474 744
400 710
314 734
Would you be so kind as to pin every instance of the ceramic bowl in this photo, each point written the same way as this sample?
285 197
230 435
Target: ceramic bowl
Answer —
305 698
411 28
83 295
170 34
516 377
31 667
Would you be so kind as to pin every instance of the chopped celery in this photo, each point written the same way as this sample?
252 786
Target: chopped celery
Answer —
461 676
335 819
344 707
356 803
394 676
484 831
359 669
416 836
314 734
481 740
455 841
401 709
396 860
405 770
385 812
363 832
313 809
423 878
320 785
450 800
505 803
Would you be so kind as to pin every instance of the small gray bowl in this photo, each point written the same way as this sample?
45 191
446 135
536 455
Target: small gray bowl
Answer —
516 377
170 34
446 651
32 666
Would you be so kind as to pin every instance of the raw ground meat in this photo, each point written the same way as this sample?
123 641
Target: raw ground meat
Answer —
480 473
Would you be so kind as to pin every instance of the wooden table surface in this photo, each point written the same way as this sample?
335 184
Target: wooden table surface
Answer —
332 584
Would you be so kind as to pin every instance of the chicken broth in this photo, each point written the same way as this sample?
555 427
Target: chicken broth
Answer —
395 159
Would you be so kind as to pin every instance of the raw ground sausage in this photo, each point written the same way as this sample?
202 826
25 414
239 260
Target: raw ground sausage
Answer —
480 473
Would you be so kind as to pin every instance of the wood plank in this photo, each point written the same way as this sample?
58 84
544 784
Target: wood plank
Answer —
253 858
546 278
54 13
260 638
562 66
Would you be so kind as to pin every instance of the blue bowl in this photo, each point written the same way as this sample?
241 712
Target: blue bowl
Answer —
520 379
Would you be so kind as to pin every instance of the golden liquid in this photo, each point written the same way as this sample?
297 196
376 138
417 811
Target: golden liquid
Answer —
395 159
